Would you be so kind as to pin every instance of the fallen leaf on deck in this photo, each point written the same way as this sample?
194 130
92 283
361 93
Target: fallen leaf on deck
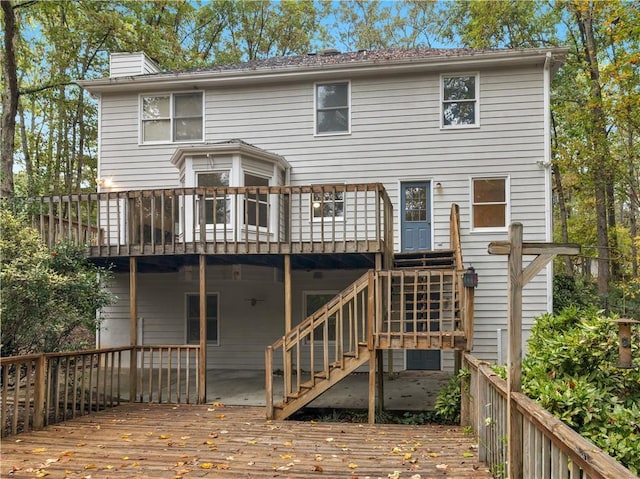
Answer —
39 450
352 466
433 454
394 475
442 467
468 454
318 469
206 465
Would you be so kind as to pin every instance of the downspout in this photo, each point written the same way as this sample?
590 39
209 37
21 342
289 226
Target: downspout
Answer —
546 163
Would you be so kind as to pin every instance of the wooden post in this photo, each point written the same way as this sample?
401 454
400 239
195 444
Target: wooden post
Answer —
372 386
287 293
518 278
514 380
268 379
133 327
202 373
380 366
39 392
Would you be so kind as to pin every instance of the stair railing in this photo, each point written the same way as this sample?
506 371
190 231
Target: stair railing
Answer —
309 351
454 235
468 293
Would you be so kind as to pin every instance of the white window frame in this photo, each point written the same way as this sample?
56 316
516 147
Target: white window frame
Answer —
186 318
227 198
171 95
507 203
268 203
315 292
476 124
329 218
315 109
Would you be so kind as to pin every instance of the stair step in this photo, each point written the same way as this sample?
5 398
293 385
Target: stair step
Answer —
433 259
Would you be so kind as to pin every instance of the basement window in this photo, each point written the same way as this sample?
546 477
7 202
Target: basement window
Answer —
193 318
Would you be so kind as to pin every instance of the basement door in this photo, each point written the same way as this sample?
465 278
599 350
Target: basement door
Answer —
416 236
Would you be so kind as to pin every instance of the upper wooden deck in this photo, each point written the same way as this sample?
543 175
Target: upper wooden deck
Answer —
346 218
151 440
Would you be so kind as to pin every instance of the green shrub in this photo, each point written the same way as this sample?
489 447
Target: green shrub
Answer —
571 370
448 401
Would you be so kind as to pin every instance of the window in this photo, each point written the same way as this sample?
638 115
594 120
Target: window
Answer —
327 204
193 318
459 101
172 118
490 204
256 203
314 300
332 108
217 208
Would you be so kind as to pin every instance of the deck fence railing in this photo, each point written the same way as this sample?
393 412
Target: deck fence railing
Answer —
42 389
330 218
550 448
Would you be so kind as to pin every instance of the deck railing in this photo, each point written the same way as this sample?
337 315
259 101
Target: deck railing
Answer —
222 220
550 448
42 389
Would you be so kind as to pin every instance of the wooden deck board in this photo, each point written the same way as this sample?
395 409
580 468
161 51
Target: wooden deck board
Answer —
164 441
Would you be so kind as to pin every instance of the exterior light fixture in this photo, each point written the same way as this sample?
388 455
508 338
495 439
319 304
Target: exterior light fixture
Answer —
624 342
470 278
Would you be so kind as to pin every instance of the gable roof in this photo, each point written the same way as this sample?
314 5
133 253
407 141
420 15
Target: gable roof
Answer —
330 64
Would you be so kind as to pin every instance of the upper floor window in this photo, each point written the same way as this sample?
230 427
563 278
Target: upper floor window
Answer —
459 95
490 203
257 203
173 117
332 104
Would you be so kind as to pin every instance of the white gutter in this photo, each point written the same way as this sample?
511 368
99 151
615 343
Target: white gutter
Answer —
548 191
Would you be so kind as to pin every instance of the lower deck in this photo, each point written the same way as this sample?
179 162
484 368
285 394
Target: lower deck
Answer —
151 440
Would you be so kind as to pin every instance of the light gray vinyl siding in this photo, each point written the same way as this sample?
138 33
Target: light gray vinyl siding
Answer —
395 136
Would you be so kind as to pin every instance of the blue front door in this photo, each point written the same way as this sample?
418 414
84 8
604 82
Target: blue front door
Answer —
416 215
415 206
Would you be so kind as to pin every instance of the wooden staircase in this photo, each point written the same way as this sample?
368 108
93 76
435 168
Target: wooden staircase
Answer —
418 304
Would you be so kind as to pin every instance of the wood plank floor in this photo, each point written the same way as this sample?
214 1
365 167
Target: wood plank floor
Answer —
164 441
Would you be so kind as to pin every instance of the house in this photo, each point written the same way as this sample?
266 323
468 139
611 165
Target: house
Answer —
274 185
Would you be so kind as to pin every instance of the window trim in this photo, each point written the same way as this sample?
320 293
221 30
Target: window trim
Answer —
171 95
476 124
330 219
507 203
186 318
315 109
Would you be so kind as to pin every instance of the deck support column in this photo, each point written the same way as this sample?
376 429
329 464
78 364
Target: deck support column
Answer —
133 327
372 385
519 276
202 371
380 365
287 293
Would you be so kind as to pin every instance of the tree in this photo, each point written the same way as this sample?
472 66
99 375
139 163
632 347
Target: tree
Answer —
47 295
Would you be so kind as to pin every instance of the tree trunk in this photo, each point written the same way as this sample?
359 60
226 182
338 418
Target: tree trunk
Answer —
598 138
9 100
26 153
562 205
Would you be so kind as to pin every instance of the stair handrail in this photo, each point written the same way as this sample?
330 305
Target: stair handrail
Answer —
294 338
454 235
